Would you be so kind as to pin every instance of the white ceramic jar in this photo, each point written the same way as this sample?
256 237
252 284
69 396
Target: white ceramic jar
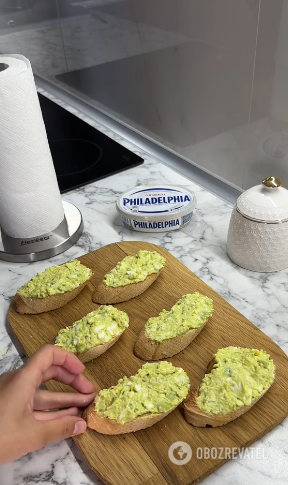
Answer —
258 231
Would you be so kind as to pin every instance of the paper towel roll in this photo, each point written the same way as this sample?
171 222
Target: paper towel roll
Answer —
30 200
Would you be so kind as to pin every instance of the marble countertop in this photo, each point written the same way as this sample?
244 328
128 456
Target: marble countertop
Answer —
201 246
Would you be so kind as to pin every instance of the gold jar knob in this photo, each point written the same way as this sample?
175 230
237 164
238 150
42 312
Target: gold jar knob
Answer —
271 182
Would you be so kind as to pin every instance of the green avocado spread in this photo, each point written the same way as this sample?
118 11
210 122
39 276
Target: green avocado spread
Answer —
238 377
156 388
96 328
56 280
191 311
134 269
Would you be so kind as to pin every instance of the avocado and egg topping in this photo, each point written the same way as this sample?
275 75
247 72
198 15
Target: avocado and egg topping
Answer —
156 388
97 328
56 280
239 376
190 312
134 269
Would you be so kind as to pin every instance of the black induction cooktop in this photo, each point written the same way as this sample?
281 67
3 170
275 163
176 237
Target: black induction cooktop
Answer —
81 154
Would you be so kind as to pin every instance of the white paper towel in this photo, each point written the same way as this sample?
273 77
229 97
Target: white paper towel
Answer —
30 200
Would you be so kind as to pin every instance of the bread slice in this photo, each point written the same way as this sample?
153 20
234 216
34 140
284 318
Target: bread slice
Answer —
108 295
147 349
197 307
111 427
95 352
198 418
41 305
106 320
105 425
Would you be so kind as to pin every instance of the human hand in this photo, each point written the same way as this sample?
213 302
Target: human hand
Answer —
25 423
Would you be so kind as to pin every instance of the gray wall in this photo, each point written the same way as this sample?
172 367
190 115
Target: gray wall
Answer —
208 79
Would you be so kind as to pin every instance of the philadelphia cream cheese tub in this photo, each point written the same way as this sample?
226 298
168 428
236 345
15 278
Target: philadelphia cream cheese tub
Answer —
156 208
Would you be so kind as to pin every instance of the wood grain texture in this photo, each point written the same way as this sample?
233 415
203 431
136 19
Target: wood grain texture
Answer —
142 458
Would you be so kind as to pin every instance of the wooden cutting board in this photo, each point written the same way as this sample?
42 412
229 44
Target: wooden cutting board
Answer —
142 458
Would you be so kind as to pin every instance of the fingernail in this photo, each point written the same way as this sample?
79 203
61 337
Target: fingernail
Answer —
80 427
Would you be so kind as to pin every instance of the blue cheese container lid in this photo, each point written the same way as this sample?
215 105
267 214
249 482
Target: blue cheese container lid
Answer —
156 207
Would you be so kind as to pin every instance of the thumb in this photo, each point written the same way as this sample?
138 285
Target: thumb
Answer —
59 429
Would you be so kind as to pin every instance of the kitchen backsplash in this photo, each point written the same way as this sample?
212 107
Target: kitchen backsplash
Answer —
207 79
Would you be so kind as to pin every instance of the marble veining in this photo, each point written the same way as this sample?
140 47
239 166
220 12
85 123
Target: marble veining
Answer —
201 246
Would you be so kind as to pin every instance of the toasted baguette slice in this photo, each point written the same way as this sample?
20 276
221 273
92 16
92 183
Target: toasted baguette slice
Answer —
108 426
36 304
111 427
147 349
108 295
95 352
105 293
168 323
41 305
91 325
198 418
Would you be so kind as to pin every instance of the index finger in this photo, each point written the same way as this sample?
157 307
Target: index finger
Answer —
47 357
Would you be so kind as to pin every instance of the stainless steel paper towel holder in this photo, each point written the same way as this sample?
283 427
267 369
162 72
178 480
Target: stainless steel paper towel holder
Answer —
27 250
